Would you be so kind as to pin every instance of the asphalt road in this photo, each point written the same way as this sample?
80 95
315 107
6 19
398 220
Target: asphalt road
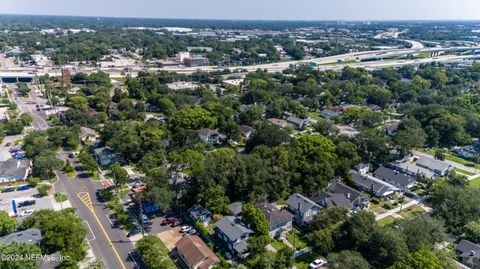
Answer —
96 220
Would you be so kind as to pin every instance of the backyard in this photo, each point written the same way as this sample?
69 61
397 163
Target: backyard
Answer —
297 239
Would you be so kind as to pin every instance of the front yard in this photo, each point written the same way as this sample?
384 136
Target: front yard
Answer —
302 262
297 239
411 212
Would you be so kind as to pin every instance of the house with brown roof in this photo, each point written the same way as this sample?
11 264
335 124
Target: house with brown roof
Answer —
279 220
193 253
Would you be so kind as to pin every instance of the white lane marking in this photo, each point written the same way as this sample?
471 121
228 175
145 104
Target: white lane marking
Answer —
91 232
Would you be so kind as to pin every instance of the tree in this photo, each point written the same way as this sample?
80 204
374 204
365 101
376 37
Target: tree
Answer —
154 253
256 218
472 231
356 230
45 164
216 200
409 139
316 161
119 175
68 167
78 102
7 224
267 134
14 127
330 217
256 244
23 88
61 231
440 154
323 241
16 249
26 119
325 127
422 259
385 246
347 259
88 162
422 232
192 118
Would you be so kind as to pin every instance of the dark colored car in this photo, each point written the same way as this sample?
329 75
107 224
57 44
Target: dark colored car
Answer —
71 155
169 221
24 188
8 190
26 203
134 231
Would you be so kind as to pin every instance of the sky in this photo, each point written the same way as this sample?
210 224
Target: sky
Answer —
253 9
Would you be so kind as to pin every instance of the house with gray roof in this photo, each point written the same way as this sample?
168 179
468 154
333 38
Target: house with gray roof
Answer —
246 131
402 181
105 156
200 214
329 114
232 233
235 208
298 122
30 236
210 136
279 220
439 167
13 170
412 169
328 200
468 253
373 185
358 199
87 135
302 208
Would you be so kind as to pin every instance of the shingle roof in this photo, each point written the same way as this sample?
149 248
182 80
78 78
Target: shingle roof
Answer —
350 193
235 208
332 200
13 168
388 174
465 247
232 227
104 151
432 164
29 236
300 202
297 121
274 215
196 252
373 184
84 131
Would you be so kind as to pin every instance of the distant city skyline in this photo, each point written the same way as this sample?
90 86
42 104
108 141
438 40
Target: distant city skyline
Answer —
254 9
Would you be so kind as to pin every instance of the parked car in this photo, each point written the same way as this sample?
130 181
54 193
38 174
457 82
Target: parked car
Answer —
192 232
169 221
24 188
317 263
176 223
26 213
8 190
71 155
134 231
26 203
185 229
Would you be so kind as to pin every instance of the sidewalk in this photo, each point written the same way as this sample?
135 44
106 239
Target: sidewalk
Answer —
397 209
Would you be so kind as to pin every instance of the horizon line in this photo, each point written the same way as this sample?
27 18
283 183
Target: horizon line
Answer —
245 20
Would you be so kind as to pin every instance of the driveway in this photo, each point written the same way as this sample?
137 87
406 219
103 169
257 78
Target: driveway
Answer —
170 237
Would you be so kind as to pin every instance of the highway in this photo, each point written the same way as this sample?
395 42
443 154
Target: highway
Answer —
109 245
377 59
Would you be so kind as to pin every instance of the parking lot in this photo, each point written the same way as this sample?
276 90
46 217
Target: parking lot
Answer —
4 149
28 195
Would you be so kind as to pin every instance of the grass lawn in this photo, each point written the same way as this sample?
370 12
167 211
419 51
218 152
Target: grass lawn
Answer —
60 197
474 182
386 221
411 212
278 245
464 172
71 174
314 115
93 175
302 262
296 239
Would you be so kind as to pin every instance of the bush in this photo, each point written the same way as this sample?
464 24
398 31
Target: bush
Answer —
60 197
375 200
33 182
43 189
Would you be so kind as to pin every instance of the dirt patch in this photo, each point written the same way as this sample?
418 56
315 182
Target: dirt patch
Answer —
170 237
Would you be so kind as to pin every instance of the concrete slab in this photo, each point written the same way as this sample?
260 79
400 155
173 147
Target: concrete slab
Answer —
170 237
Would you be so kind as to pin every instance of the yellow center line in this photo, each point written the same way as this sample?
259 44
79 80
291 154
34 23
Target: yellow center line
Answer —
85 198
